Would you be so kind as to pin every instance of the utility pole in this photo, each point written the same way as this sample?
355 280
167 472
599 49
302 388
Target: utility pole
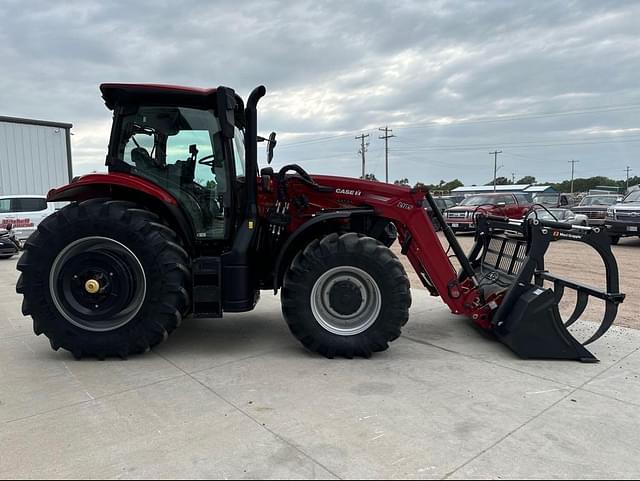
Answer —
627 170
363 150
513 177
573 168
386 138
495 166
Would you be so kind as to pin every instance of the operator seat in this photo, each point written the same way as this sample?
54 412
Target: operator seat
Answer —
142 159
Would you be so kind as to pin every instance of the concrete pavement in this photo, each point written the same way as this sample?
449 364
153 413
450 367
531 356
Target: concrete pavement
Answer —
240 398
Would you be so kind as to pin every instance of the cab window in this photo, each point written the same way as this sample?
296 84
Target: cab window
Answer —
182 150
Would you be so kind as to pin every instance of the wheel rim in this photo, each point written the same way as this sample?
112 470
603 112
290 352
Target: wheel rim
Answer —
346 301
97 284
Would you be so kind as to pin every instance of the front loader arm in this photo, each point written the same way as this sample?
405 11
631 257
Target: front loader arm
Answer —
501 283
419 240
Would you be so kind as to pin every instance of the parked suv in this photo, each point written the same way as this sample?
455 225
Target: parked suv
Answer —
623 219
461 218
24 212
595 207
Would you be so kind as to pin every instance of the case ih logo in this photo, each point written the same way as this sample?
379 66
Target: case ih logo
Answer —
349 192
17 223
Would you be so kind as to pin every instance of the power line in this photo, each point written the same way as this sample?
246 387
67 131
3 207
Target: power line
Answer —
591 139
363 150
495 166
518 117
573 165
526 145
627 170
386 138
504 118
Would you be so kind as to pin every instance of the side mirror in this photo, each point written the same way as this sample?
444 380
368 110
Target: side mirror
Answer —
271 145
9 227
226 106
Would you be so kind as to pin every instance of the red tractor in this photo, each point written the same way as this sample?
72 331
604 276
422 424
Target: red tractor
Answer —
185 225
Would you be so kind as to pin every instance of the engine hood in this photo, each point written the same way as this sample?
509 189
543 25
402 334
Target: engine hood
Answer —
630 206
351 186
465 208
590 208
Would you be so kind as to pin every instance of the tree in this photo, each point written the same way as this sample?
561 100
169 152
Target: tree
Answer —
500 181
455 183
527 179
442 186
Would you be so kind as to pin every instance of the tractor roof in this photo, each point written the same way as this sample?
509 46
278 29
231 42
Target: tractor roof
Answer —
114 93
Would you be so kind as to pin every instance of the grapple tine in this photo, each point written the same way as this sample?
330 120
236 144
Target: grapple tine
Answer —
610 312
558 290
581 305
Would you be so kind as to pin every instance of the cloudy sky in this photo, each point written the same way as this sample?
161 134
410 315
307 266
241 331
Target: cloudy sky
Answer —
545 82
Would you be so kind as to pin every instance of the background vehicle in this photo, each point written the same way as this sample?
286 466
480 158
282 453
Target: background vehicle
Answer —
443 203
554 200
595 207
183 225
461 217
24 212
623 219
9 244
560 215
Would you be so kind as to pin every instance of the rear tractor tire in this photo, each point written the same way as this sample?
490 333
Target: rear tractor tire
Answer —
346 296
104 278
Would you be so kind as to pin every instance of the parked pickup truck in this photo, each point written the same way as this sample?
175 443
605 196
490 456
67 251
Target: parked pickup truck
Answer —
461 218
595 207
623 219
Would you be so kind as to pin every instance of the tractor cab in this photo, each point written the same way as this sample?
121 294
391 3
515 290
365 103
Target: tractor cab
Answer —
177 139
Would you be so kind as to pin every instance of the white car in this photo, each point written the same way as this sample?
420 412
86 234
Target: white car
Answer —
25 212
561 215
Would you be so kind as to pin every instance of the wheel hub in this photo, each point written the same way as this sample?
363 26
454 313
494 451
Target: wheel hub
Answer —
92 286
346 300
345 297
97 284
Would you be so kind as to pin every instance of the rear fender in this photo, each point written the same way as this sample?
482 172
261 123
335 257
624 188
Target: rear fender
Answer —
123 186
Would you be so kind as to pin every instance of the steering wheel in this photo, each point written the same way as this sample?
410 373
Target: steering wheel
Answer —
204 161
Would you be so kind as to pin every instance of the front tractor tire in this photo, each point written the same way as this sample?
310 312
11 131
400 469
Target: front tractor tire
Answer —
346 295
104 278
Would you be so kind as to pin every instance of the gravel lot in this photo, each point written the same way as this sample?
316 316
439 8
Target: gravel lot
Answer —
579 262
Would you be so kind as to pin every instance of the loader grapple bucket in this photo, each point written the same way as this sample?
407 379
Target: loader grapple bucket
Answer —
508 258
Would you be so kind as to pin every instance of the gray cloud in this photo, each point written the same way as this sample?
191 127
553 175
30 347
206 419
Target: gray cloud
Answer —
336 68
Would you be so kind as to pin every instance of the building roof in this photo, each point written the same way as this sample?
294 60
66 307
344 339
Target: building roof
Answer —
503 188
45 123
487 188
539 188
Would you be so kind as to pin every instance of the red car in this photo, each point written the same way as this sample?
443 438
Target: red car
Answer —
461 218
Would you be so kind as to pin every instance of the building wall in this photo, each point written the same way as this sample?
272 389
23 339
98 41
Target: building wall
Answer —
33 157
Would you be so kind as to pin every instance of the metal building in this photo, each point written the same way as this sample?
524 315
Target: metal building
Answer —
35 156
